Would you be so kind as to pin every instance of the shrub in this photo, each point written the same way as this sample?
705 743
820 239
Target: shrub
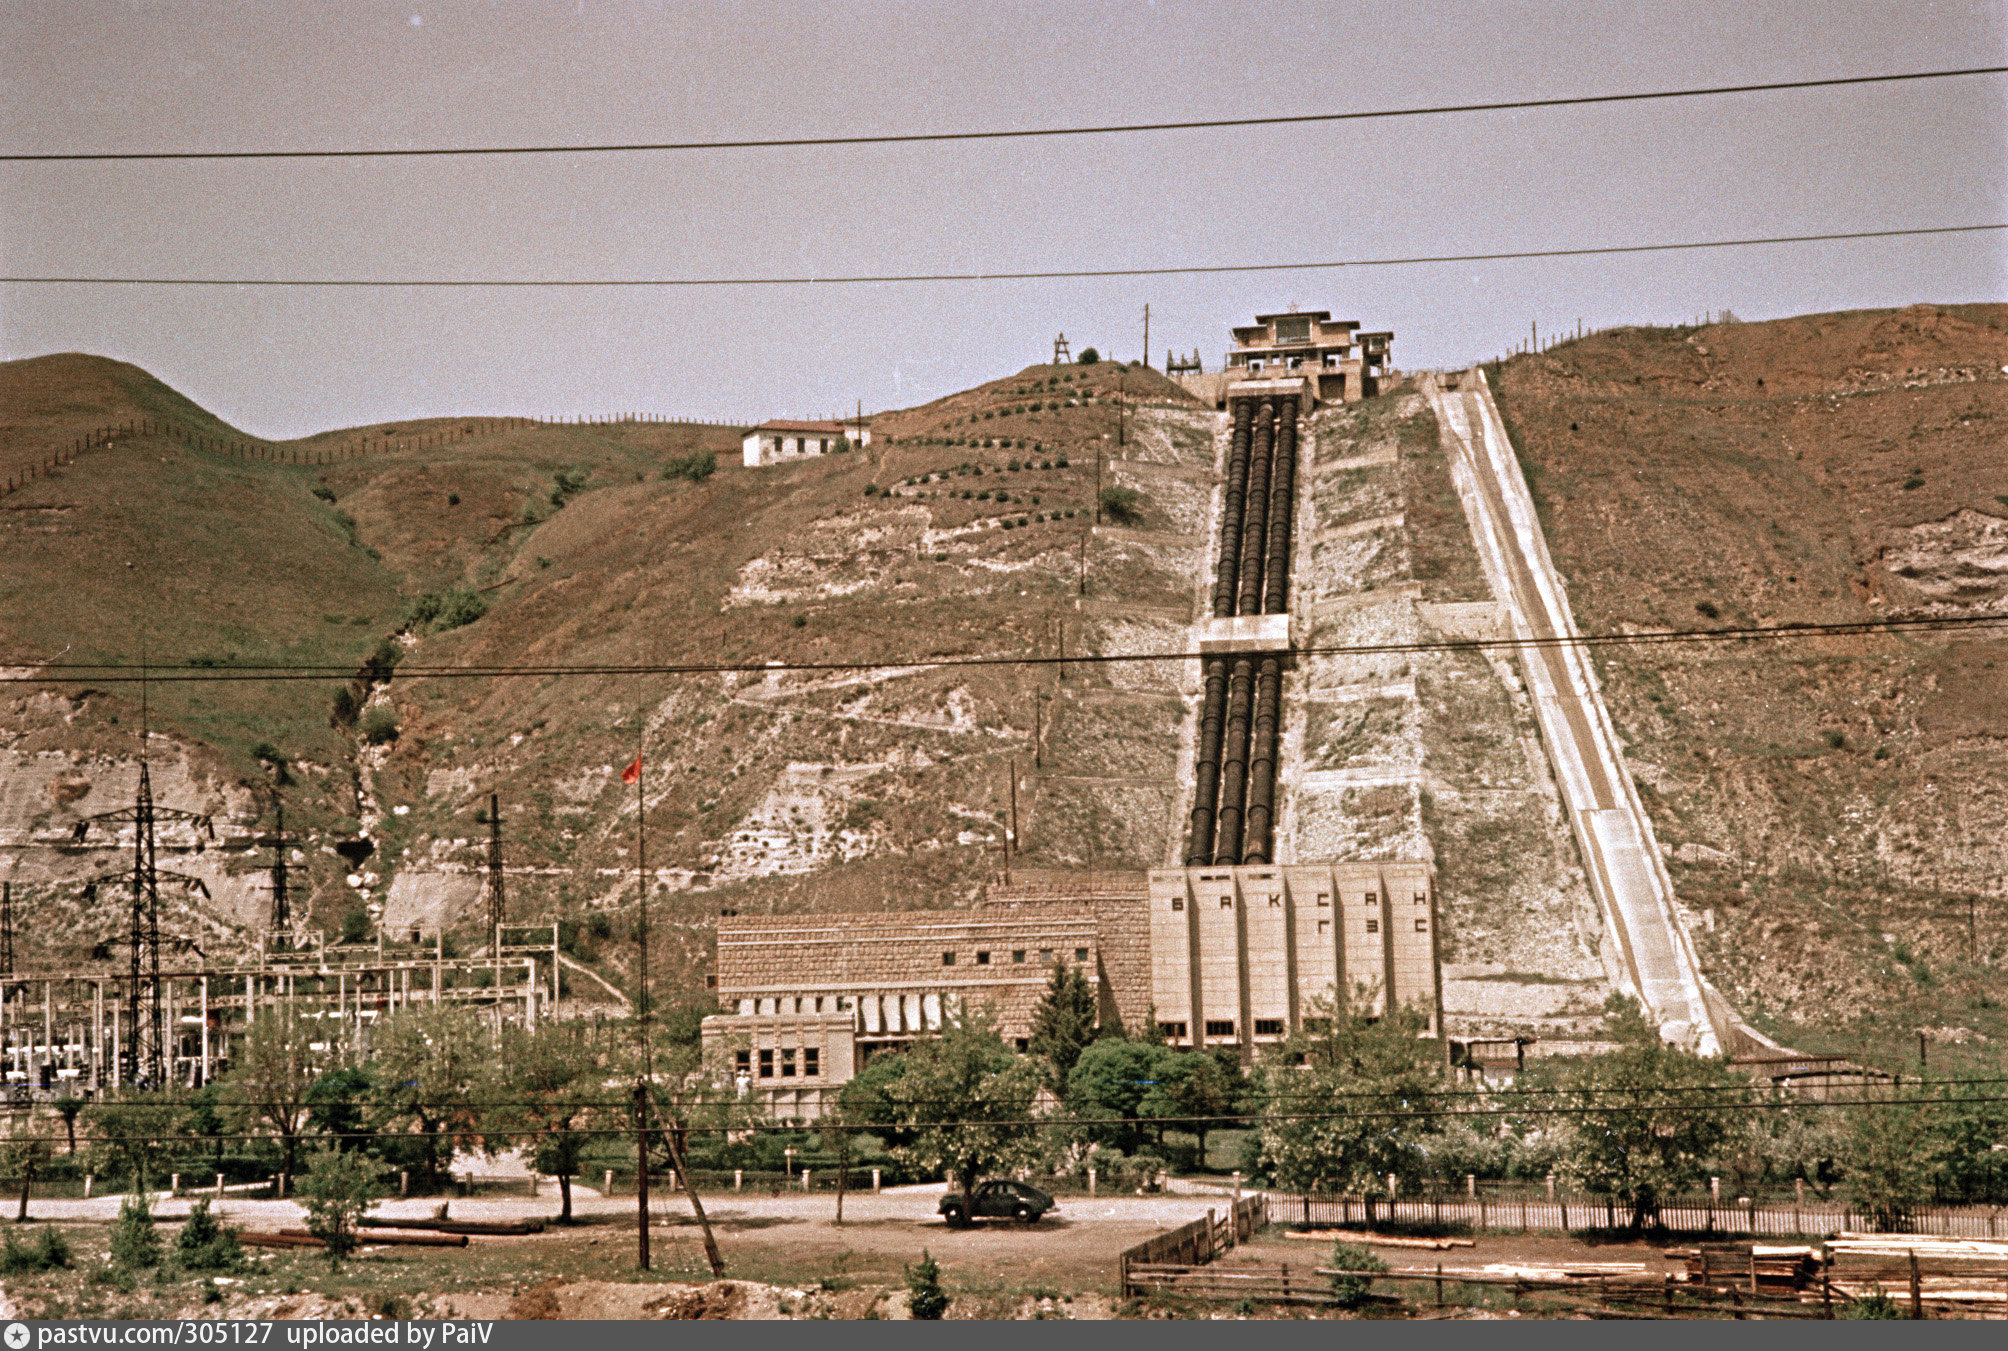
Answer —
695 467
925 1299
1837 738
1122 505
325 494
459 607
206 1245
1912 483
453 499
1352 1291
135 1241
339 1189
356 925
1089 356
567 484
51 1252
871 490
1060 463
343 707
801 621
1875 1305
380 725
1707 609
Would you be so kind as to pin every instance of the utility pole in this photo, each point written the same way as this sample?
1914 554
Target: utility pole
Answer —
1146 336
282 919
647 1045
496 912
1016 845
6 928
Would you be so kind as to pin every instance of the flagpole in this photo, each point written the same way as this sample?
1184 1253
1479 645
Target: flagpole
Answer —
647 1049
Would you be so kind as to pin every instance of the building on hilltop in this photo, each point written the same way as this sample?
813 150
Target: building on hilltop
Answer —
779 440
1329 359
1218 956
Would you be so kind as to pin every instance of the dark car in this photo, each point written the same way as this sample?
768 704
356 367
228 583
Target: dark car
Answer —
997 1201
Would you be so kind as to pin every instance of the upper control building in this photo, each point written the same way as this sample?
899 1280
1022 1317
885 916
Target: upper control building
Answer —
1343 364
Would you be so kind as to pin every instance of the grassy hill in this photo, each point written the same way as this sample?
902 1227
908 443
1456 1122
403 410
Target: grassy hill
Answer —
504 545
1836 805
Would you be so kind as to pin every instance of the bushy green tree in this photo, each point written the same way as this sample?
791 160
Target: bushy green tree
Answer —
133 1137
1194 1086
205 1244
967 1097
1350 1291
135 1241
1647 1119
1063 1022
925 1299
431 1061
271 1076
339 1189
1890 1154
1109 1084
549 1085
1349 1097
24 1157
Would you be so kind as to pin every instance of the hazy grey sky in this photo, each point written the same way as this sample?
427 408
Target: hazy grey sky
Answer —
101 76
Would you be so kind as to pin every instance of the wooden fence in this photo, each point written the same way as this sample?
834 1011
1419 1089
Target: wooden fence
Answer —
1197 1243
1564 1212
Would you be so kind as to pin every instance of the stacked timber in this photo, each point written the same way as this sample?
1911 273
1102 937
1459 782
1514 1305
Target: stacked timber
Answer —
1764 1268
498 1227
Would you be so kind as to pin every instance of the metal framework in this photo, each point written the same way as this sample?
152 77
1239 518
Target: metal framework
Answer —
145 1061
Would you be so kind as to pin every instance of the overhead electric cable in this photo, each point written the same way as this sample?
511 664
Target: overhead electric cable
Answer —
1048 274
1029 133
27 671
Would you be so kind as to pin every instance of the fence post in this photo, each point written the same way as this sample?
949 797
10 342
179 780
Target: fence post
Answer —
739 1179
1916 1288
219 1186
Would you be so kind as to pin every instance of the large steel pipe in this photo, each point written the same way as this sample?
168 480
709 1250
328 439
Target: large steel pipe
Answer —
1234 763
1258 839
1206 765
1282 511
1227 572
1255 516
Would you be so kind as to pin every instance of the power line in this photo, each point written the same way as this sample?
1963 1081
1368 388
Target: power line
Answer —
1049 274
154 673
916 138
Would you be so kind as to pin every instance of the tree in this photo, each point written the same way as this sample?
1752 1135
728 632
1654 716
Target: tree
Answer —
864 1100
925 1299
24 1158
1063 1022
1890 1154
1089 356
1350 1094
968 1098
205 1245
338 1105
1113 1079
1194 1086
1647 1119
1349 1292
69 1107
339 1189
431 1061
271 1076
133 1136
135 1242
548 1083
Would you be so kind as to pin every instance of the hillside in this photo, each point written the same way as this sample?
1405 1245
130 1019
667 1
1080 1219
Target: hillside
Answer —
1834 807
575 545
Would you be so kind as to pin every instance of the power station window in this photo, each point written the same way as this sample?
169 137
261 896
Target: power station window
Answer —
1219 1027
1080 954
1268 1027
788 1063
1173 1031
983 959
948 959
812 1058
1045 956
766 1064
1017 956
742 1061
1422 926
1373 926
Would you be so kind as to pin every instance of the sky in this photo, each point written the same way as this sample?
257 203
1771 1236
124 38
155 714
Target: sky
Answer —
97 75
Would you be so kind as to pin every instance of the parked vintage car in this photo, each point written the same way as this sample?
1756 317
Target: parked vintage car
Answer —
997 1200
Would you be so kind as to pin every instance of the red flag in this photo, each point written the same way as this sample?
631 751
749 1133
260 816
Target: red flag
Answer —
632 774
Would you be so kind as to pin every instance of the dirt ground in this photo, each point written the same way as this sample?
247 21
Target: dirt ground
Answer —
786 1258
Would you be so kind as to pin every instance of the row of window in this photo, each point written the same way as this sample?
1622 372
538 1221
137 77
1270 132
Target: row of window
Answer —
811 1062
1224 1027
1018 956
1324 900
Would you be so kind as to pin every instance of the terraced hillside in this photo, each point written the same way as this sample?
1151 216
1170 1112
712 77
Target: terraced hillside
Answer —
1834 807
966 531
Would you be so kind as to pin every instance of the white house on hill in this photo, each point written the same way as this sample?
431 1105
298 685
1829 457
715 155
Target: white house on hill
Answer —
775 441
